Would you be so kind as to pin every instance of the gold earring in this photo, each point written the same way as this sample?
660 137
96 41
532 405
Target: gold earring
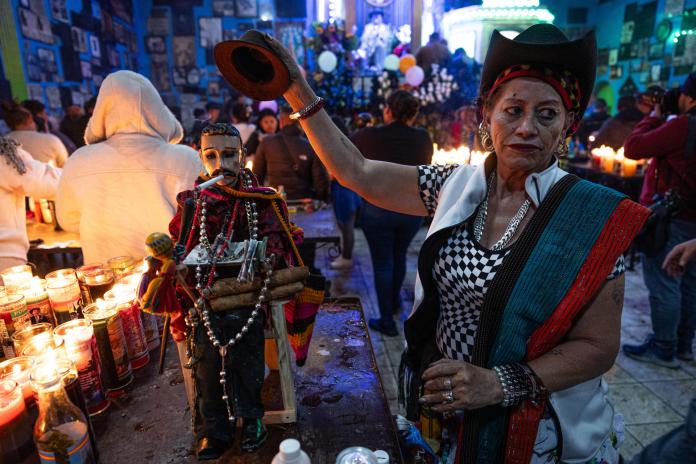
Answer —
563 147
485 138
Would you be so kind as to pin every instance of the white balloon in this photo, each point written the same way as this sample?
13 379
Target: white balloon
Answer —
270 104
327 61
391 62
415 75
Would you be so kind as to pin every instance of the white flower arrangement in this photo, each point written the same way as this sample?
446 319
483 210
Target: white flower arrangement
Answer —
384 87
439 88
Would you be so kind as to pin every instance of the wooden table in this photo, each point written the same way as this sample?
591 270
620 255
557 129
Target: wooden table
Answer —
340 403
340 397
630 186
52 249
319 226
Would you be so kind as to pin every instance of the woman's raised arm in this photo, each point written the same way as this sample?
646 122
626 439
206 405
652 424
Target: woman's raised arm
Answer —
387 185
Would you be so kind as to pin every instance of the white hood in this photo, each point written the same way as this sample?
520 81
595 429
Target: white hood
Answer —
128 103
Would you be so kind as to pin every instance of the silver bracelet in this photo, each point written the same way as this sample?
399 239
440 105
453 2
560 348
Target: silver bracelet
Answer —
308 110
515 384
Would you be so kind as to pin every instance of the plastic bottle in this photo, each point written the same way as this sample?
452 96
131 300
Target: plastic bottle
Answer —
290 452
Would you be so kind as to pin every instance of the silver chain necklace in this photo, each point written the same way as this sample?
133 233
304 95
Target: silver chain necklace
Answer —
480 220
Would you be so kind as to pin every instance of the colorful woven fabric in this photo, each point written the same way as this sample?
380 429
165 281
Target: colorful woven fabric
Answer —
300 315
625 221
538 296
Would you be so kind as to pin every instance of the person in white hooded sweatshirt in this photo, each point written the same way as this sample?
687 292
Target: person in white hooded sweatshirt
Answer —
21 176
122 185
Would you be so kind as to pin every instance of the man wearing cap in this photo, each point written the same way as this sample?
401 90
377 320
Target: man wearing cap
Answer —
672 299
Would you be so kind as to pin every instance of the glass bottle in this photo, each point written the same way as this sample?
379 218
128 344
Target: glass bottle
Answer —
61 433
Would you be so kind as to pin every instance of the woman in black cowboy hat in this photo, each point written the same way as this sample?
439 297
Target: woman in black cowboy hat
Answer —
520 289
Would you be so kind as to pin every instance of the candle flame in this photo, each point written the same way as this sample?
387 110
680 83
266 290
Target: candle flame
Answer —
461 155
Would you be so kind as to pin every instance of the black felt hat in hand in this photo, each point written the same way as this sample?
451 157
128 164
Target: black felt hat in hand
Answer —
251 67
543 44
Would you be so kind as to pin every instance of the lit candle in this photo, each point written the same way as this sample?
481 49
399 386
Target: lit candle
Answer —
94 280
16 437
13 316
121 265
33 333
111 343
123 294
11 402
81 346
38 304
64 295
18 369
16 276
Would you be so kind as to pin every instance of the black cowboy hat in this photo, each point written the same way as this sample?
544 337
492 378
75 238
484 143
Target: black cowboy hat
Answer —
543 44
251 67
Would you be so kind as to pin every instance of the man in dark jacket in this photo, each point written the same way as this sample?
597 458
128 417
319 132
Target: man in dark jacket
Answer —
615 130
672 298
287 159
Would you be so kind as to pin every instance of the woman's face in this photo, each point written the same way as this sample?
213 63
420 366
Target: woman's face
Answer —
268 124
527 121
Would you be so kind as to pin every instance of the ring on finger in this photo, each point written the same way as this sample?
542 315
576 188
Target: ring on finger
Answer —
448 383
448 397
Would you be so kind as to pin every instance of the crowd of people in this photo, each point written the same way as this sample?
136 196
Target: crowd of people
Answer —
478 340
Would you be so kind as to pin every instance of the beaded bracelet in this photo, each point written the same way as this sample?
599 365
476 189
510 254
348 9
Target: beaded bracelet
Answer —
309 110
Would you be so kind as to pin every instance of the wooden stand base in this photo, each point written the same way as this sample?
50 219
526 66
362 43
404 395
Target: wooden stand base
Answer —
283 361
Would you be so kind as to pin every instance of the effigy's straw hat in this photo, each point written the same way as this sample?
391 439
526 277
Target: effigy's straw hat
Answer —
251 66
545 45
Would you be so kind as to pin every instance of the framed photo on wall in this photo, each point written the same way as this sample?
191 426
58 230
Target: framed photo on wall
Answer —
210 31
184 51
223 7
155 44
35 26
246 8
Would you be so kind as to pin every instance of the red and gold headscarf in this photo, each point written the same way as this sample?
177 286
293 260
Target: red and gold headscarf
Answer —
562 81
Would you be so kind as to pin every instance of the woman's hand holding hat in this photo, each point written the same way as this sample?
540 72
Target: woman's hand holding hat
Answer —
459 385
299 94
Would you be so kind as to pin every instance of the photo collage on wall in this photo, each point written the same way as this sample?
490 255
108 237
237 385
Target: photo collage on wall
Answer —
69 52
643 51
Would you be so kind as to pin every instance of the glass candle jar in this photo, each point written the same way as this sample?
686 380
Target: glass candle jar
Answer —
18 369
64 295
13 317
123 294
38 304
149 321
16 276
121 266
16 443
95 280
35 332
116 370
81 347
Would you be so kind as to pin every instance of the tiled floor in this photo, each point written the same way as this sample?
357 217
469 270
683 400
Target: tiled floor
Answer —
653 400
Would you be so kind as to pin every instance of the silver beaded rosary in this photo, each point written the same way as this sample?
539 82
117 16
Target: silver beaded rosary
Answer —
480 221
246 273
